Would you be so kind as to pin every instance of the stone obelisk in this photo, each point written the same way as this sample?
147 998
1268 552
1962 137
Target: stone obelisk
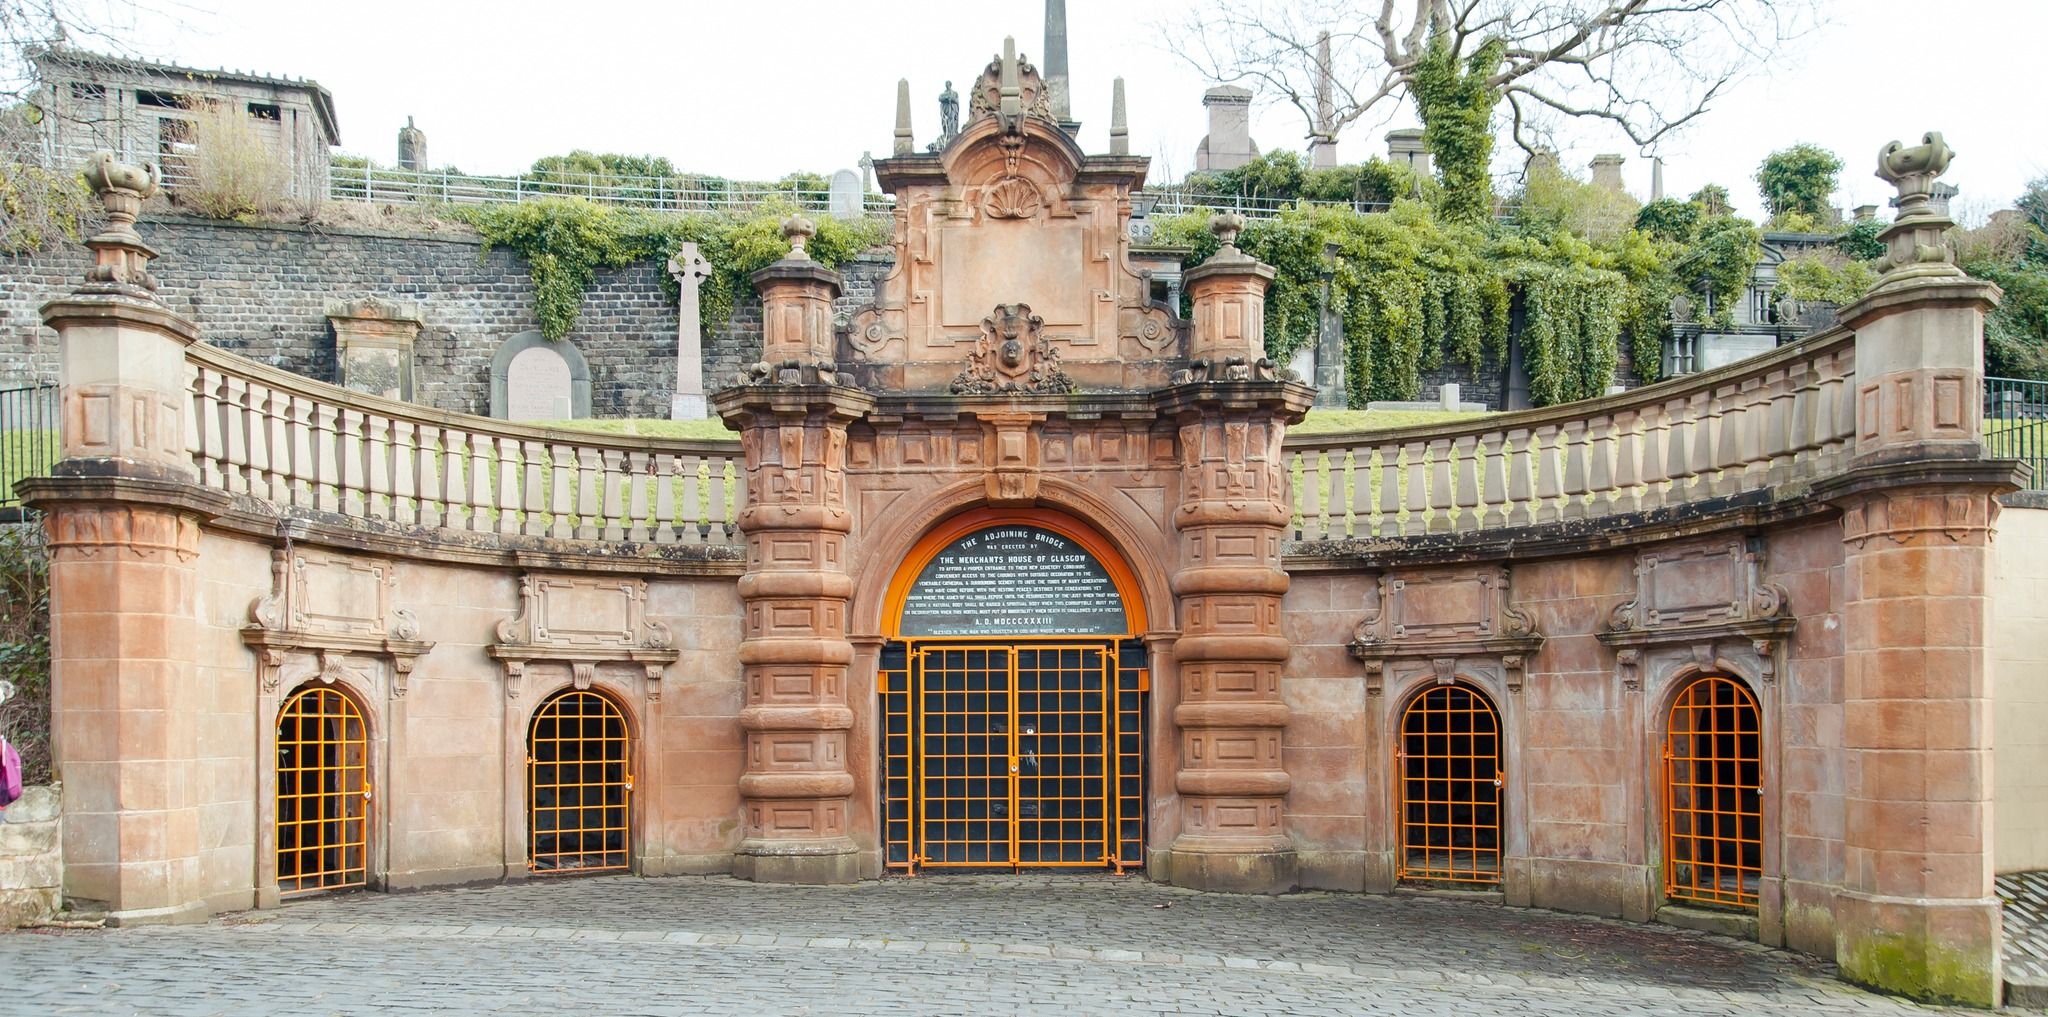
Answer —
1059 92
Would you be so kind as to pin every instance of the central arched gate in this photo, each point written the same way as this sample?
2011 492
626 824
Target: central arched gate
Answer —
1013 701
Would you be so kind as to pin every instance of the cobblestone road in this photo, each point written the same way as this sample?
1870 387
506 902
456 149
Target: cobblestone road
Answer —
935 945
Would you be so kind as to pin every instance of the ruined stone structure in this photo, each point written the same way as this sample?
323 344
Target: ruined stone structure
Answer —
1013 568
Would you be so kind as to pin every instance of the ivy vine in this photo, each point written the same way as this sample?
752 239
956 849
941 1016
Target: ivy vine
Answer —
566 241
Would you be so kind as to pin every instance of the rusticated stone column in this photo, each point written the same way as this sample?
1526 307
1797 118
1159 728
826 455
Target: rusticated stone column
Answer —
123 519
1917 914
792 419
1233 413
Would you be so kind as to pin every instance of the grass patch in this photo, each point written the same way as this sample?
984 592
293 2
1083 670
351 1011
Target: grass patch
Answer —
712 430
1338 421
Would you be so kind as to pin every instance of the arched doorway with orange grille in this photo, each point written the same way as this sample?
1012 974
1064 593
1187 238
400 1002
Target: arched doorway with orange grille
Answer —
323 792
1450 778
579 785
1013 688
1713 794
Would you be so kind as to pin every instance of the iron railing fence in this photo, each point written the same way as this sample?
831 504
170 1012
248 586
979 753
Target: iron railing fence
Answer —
29 443
376 184
2016 424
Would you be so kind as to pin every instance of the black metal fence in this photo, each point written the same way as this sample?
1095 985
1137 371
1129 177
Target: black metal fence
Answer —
28 440
2016 424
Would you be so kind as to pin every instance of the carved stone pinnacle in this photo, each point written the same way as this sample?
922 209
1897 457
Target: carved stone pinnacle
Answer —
120 258
1226 226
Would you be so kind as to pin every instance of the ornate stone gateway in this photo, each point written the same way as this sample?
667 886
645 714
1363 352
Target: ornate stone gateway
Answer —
1013 706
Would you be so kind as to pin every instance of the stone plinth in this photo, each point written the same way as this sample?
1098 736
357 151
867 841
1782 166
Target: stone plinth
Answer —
31 858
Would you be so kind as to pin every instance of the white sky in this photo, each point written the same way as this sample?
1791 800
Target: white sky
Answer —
755 90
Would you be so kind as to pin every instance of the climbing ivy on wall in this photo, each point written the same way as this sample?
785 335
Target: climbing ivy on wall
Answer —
1456 105
565 241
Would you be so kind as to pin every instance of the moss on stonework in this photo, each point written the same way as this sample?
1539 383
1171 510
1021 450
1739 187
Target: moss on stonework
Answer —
1920 969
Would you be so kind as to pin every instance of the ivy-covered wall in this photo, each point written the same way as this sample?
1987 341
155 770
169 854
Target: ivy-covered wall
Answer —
261 291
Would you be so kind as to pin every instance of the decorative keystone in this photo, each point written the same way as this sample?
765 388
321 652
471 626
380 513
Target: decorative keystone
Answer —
1917 240
120 258
798 231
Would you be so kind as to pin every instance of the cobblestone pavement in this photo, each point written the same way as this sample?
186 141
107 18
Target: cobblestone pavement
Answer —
2026 924
933 945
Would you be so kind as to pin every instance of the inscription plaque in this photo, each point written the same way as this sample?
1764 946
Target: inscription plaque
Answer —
1014 581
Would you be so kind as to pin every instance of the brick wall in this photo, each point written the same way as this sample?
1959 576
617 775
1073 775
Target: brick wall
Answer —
261 291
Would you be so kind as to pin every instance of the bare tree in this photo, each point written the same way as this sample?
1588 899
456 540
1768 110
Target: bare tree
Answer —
1646 67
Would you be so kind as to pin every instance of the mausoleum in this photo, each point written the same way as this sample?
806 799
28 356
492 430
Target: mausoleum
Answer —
1015 568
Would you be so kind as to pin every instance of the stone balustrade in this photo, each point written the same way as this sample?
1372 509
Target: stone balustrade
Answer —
302 445
1757 424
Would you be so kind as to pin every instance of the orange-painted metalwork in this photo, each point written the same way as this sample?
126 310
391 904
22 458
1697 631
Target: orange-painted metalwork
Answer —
579 785
323 793
1713 800
1450 788
943 535
1019 754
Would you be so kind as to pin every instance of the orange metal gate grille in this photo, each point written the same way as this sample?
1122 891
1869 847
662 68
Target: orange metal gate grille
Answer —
1014 755
579 783
1713 795
1449 761
323 793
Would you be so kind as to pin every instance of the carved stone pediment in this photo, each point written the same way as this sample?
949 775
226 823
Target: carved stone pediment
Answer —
583 623
1446 621
1704 601
331 616
1686 587
1012 355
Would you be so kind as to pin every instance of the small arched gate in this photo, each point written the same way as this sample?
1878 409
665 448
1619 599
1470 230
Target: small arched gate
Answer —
1713 794
1450 788
579 785
323 792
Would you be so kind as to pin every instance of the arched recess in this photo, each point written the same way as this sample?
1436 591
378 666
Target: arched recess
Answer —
323 780
579 784
1013 746
1713 792
884 558
1450 787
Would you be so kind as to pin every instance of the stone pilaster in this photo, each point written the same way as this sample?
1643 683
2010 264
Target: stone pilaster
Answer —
1233 414
1917 914
123 522
792 419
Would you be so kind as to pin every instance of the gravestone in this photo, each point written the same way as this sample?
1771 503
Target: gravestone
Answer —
537 387
535 378
373 345
846 196
690 270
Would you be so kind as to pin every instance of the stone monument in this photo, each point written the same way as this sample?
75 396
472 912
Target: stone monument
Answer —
1228 144
690 270
373 341
844 201
412 147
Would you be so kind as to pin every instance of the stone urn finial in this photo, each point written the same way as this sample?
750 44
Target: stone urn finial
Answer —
120 258
1917 240
1226 226
798 231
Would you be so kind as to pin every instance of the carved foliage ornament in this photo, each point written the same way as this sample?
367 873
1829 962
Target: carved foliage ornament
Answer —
1012 355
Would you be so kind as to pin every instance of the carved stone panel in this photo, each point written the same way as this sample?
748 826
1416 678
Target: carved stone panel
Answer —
1445 604
1713 582
587 625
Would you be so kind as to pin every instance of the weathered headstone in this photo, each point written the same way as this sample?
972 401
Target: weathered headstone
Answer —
537 386
846 197
690 270
373 345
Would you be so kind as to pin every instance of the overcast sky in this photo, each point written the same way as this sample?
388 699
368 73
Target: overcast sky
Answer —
756 90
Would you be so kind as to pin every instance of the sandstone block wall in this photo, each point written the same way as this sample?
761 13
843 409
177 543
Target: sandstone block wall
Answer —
31 858
261 291
441 772
2019 691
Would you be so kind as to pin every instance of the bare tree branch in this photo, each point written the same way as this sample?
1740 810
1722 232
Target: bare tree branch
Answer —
1647 67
